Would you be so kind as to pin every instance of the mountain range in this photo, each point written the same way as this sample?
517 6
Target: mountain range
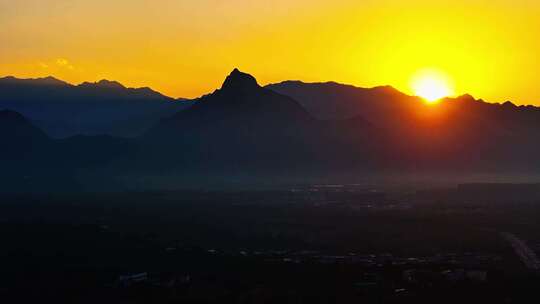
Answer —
104 107
243 133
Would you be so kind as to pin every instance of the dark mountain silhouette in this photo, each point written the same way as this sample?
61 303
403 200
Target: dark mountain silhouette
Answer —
26 153
386 107
15 127
240 127
20 139
240 102
102 108
32 161
244 133
334 101
458 133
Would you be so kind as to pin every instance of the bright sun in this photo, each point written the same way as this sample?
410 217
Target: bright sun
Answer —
431 85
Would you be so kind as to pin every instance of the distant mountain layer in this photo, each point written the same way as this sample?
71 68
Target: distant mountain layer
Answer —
101 108
243 133
331 100
334 101
460 133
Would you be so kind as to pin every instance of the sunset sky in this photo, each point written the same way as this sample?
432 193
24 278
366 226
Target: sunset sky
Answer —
489 48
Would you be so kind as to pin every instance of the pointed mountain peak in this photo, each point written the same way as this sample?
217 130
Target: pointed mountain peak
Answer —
509 104
239 81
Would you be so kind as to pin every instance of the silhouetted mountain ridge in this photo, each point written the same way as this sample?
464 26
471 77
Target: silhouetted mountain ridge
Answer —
13 125
104 83
334 101
240 125
243 132
24 146
44 81
104 107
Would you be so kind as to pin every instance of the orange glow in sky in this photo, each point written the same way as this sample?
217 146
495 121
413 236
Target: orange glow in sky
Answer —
488 48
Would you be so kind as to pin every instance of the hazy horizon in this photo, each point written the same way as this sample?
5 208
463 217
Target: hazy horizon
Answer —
262 85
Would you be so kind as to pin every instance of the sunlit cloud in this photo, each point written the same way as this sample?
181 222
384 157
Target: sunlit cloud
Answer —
57 65
64 63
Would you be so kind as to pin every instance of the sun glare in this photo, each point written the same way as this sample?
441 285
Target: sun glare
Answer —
431 85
